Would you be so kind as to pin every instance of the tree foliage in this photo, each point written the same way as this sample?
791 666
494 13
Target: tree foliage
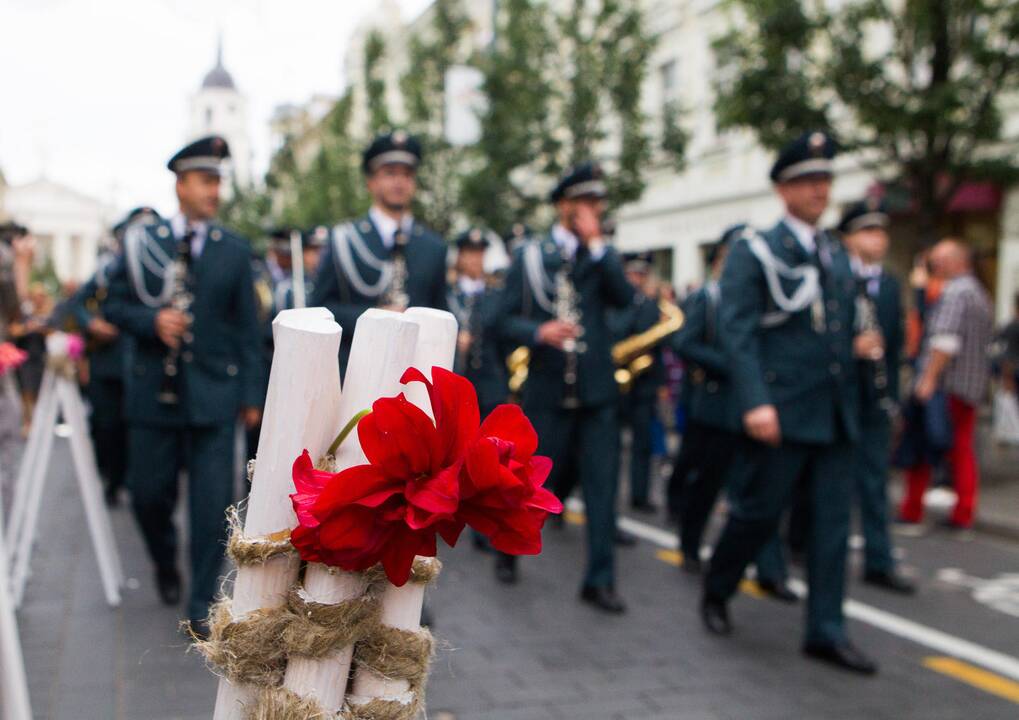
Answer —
915 84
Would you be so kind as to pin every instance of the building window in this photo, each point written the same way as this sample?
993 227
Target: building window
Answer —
208 117
668 73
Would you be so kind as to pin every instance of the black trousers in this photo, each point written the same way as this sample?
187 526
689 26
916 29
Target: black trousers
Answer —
108 429
157 455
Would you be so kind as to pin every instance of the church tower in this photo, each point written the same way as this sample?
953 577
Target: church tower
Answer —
219 108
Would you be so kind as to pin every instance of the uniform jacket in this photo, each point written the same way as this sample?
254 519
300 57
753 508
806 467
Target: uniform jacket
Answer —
484 364
426 277
105 360
638 316
601 284
221 370
810 376
888 303
709 391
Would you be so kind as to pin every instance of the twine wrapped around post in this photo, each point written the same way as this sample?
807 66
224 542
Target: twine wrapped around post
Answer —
301 411
392 665
382 349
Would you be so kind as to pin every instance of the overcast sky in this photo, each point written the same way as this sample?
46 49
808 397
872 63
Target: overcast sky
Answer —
94 93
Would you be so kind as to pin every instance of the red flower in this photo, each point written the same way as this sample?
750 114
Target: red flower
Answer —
501 493
423 479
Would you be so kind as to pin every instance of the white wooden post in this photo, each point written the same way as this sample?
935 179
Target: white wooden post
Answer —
111 571
29 460
301 412
13 685
401 606
382 349
44 421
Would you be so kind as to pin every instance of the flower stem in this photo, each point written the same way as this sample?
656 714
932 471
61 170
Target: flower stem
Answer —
345 432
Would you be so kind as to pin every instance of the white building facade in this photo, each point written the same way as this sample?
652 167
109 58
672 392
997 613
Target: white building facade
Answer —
69 227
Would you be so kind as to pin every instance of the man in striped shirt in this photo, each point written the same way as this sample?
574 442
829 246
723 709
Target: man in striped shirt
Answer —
954 359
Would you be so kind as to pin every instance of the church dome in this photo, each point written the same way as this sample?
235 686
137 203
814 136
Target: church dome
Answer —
218 77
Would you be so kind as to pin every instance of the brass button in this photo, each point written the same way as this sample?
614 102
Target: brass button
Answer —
712 386
833 305
187 356
835 368
231 369
835 326
770 376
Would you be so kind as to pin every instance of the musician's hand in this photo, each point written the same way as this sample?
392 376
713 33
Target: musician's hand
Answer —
170 325
761 424
251 416
102 330
586 223
557 332
869 345
463 341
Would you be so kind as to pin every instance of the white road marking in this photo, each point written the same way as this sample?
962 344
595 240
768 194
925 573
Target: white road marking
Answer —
937 640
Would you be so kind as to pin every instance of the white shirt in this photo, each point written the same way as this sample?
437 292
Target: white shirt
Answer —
568 244
179 225
387 226
804 232
470 286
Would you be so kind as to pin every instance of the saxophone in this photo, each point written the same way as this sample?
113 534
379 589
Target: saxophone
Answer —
396 295
181 299
567 309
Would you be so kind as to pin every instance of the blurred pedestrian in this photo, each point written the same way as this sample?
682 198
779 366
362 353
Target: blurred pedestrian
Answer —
194 370
954 360
29 334
878 307
787 327
555 300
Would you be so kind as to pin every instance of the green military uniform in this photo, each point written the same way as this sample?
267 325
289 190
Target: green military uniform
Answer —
787 327
713 428
637 405
219 371
366 266
576 421
476 305
879 396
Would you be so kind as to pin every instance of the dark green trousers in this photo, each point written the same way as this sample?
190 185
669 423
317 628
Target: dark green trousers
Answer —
109 431
637 413
766 480
156 455
584 444
871 488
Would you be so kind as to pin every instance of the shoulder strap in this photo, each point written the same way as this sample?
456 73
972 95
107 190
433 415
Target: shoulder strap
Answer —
141 252
536 278
347 242
774 270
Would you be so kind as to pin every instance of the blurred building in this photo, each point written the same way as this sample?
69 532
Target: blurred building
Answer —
219 108
69 226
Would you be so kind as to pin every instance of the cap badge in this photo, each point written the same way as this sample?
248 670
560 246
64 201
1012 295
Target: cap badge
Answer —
816 143
475 235
399 138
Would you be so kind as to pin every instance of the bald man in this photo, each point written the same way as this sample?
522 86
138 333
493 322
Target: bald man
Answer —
954 361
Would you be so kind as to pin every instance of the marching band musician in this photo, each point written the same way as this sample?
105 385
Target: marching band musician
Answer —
387 258
105 353
555 300
864 228
787 330
183 294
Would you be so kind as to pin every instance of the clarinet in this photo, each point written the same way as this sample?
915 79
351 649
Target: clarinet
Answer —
867 321
567 309
396 294
181 299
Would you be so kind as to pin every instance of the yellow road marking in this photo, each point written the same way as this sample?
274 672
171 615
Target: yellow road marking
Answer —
672 557
574 518
972 675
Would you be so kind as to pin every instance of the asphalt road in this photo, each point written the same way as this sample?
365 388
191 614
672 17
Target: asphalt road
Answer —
533 651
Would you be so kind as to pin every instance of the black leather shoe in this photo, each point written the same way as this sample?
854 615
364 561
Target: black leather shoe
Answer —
715 616
692 564
168 585
778 591
890 581
506 569
623 539
557 521
603 598
112 497
844 656
481 543
197 629
644 507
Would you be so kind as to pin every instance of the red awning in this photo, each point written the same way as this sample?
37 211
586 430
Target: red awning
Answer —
976 197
